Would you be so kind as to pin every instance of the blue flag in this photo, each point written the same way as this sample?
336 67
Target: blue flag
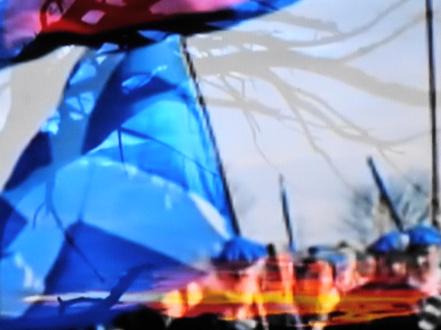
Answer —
123 179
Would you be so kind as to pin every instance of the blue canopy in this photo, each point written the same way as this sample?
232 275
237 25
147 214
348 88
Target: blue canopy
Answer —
392 242
423 236
240 251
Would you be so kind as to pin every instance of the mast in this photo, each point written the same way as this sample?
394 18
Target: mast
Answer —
385 196
432 101
286 214
203 106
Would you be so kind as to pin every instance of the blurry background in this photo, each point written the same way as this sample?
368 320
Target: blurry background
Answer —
308 92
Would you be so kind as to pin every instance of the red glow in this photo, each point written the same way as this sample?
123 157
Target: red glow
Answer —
272 288
115 14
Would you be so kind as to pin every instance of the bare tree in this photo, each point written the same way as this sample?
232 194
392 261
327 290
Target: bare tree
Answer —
271 57
367 217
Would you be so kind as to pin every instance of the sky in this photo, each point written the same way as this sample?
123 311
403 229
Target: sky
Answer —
308 92
342 102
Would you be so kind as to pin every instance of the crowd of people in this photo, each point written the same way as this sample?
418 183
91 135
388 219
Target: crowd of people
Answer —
395 282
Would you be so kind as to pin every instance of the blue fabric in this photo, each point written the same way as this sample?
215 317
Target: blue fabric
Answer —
4 51
126 163
10 228
129 153
36 155
161 129
391 242
424 236
120 267
240 250
96 221
112 256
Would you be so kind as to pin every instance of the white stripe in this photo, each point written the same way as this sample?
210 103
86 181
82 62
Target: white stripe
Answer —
425 325
432 310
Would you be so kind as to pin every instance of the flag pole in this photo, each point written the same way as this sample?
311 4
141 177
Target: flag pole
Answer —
203 105
433 118
384 195
286 213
